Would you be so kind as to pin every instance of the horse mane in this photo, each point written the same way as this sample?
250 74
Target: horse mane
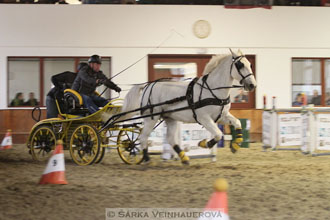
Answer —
213 63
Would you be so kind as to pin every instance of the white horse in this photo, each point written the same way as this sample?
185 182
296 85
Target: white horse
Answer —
205 101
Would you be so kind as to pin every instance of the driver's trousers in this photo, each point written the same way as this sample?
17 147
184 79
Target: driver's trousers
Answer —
93 102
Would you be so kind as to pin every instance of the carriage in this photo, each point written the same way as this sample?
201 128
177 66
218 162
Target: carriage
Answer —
204 100
81 135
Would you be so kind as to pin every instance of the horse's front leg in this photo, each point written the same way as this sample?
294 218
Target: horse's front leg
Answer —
230 119
212 127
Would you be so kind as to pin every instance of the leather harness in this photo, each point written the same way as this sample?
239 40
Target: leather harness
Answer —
189 97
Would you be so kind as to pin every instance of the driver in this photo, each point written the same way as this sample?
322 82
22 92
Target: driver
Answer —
90 77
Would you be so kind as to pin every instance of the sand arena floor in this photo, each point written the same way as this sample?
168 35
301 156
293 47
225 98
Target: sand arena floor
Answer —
262 185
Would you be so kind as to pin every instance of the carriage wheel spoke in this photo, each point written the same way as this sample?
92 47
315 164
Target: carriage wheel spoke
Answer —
94 151
128 148
84 144
84 159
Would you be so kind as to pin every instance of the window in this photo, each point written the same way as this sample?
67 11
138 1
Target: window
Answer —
176 70
311 78
181 67
327 81
31 76
21 71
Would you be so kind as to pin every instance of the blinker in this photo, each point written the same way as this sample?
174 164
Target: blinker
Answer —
239 65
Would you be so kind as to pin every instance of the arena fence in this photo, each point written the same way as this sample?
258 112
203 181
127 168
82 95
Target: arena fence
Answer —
301 128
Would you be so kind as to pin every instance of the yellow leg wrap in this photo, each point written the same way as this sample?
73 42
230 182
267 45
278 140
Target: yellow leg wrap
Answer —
203 143
184 158
238 140
234 147
239 136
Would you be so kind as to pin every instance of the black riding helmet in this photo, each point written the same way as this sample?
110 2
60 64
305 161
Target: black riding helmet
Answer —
95 59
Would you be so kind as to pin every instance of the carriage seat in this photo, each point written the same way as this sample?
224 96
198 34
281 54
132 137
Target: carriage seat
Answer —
74 103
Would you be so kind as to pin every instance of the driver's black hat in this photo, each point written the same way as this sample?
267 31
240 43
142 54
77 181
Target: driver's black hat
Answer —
95 59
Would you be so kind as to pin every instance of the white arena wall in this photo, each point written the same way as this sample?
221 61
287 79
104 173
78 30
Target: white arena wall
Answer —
128 32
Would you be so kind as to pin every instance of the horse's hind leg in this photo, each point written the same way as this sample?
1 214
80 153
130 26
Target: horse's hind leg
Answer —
230 119
212 127
173 139
147 129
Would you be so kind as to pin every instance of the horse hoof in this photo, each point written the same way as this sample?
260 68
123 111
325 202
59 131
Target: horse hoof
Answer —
147 162
211 143
203 143
234 147
184 158
146 159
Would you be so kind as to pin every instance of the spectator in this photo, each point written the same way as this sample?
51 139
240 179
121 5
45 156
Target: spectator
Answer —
299 100
241 97
316 99
327 98
18 100
32 100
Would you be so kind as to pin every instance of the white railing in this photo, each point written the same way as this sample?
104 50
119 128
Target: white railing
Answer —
301 128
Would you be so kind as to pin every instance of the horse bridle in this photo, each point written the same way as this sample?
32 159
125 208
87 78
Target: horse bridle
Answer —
239 65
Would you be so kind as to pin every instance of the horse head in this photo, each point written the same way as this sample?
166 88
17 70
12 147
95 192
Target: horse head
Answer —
241 71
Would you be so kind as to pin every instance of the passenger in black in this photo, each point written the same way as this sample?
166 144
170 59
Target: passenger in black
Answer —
61 82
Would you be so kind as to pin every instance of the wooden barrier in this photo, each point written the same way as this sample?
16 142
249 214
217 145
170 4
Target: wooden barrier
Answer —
19 121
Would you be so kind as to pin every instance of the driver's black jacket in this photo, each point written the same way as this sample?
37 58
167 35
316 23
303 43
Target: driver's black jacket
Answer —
85 82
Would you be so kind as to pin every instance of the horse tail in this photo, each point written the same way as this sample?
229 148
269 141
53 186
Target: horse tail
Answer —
132 100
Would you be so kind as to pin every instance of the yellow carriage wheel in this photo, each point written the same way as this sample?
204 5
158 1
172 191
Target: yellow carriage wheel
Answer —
42 143
84 145
128 146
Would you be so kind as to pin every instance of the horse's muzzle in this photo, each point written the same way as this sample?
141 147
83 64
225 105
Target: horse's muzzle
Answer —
249 87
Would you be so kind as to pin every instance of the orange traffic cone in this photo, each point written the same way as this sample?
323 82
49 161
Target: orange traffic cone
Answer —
7 141
217 206
55 170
